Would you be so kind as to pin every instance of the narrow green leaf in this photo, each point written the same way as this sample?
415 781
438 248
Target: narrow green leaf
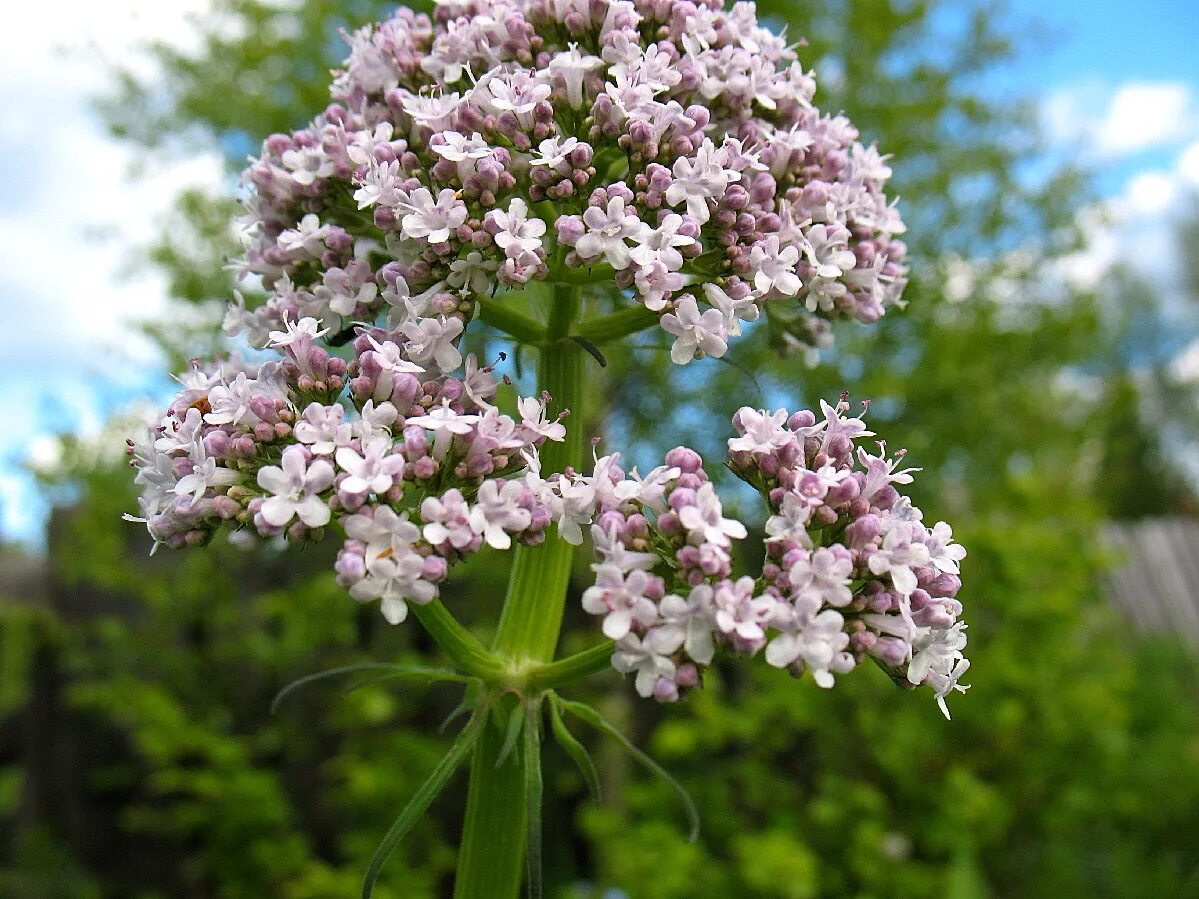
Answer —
408 672
532 712
424 796
467 703
576 750
596 720
514 725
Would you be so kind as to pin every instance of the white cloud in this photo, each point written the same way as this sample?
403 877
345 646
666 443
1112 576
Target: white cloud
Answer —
71 218
1137 227
1145 115
1111 121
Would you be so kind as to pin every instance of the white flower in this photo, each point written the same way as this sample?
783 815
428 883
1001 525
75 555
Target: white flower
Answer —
444 418
182 435
734 311
774 268
375 421
553 152
472 272
634 654
828 251
303 331
740 614
944 554
322 428
621 599
836 427
307 164
479 383
762 432
433 221
205 473
532 413
900 553
230 403
661 244
362 150
393 568
655 283
791 521
462 150
516 229
613 552
496 514
700 179
819 641
650 491
607 231
517 92
937 660
574 506
308 237
374 470
881 472
694 331
687 623
435 111
823 578
295 486
431 341
705 519
448 520
379 185
572 67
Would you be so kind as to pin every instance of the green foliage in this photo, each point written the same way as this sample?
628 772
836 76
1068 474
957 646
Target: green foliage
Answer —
1071 768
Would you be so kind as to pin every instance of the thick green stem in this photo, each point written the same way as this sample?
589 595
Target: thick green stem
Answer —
492 853
491 857
572 668
617 325
463 647
500 314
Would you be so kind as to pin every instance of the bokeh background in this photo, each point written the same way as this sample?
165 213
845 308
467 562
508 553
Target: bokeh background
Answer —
1045 376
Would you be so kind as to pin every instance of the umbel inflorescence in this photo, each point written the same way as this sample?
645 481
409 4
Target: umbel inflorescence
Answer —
671 149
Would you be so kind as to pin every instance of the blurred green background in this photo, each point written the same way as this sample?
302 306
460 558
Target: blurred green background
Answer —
137 754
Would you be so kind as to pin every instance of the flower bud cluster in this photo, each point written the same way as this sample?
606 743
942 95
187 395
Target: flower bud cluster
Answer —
850 570
670 147
417 470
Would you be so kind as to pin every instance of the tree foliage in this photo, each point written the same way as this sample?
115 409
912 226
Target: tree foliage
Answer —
1070 768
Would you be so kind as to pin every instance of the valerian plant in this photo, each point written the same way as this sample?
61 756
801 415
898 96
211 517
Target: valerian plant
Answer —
564 174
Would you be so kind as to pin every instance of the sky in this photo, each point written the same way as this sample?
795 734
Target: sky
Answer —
1117 84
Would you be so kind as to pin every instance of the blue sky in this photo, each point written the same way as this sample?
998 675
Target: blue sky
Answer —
1118 84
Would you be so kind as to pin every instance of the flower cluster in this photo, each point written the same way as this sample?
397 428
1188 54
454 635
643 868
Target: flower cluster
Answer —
850 569
671 148
418 478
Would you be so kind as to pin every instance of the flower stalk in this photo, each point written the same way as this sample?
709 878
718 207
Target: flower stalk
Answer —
492 851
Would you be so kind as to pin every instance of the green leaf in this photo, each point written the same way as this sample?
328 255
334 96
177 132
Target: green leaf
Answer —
576 750
514 725
596 720
532 712
467 703
407 672
425 795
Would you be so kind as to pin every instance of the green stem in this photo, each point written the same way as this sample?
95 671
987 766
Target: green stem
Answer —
619 324
572 668
463 647
491 857
502 316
